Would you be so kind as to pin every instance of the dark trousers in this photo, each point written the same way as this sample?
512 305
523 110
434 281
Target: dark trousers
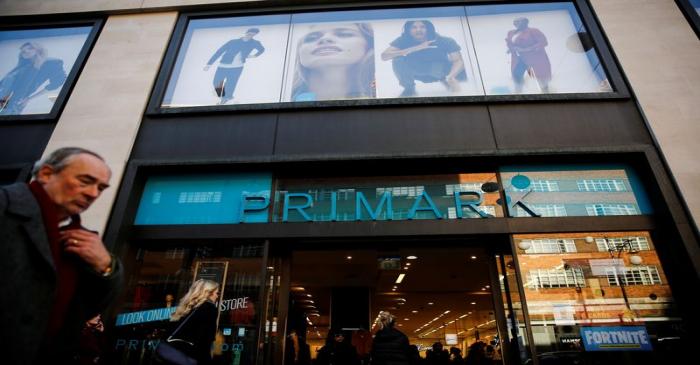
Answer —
228 77
408 72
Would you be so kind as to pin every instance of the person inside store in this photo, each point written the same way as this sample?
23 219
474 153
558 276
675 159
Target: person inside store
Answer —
438 355
390 346
92 342
233 55
477 354
22 84
194 323
456 356
337 350
414 357
335 62
56 274
420 53
527 55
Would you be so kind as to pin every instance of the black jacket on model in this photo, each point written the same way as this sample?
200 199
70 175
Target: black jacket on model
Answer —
390 347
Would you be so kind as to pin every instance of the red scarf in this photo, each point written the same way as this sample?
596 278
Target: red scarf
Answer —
66 264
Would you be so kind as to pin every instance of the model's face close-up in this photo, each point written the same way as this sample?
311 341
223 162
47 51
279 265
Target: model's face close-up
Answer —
419 31
27 52
78 185
332 45
520 23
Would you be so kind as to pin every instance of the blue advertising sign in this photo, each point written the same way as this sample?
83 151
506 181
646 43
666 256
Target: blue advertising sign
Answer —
627 338
152 315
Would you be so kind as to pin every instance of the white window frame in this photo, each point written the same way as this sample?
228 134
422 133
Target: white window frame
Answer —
609 185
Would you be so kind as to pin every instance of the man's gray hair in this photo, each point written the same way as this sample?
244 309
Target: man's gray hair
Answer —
60 158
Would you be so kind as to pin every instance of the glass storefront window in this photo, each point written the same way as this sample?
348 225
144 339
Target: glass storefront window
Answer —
160 277
224 61
596 292
387 198
388 53
560 191
535 49
516 336
381 54
34 65
442 302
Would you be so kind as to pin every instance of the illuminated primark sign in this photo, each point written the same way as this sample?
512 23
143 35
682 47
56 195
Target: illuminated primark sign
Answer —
383 206
257 197
249 198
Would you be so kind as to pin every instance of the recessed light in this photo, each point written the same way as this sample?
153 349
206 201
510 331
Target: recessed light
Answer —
408 264
414 311
298 288
406 319
394 289
483 288
473 303
412 257
430 303
349 257
473 257
309 295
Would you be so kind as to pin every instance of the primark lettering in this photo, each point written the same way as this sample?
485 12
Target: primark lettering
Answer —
300 202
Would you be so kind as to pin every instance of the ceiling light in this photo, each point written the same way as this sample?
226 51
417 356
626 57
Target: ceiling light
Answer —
474 303
406 319
412 257
430 303
298 288
309 295
408 264
414 311
446 312
488 286
349 257
400 278
473 257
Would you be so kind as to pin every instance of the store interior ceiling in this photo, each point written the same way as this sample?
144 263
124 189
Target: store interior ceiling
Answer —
447 287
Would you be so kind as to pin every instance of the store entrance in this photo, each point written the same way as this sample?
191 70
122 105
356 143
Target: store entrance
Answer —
440 296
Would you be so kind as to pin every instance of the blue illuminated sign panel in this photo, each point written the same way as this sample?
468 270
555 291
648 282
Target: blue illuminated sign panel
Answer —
620 338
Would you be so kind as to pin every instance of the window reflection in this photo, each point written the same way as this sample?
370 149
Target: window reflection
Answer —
387 198
561 191
578 281
160 277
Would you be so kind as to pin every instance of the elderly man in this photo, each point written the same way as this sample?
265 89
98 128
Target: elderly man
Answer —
55 273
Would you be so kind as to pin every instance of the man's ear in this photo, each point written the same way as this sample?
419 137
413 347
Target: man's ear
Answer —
44 174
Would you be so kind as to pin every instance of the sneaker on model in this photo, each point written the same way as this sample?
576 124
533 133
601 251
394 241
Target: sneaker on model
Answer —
408 92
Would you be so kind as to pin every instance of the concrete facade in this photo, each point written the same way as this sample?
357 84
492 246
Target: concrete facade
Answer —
659 53
122 69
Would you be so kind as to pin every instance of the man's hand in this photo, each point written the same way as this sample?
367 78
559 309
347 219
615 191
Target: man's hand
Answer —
88 247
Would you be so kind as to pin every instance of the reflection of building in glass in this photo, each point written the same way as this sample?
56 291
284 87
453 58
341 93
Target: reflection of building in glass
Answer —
592 279
573 193
408 197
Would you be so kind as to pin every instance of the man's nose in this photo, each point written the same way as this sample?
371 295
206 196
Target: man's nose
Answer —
92 191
